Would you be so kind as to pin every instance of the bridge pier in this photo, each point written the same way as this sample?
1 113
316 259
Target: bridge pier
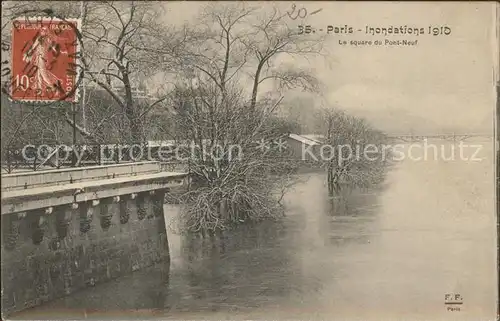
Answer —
70 237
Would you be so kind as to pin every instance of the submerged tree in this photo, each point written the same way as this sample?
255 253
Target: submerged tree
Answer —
237 160
354 153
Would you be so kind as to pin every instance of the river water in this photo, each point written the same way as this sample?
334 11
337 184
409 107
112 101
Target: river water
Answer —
379 254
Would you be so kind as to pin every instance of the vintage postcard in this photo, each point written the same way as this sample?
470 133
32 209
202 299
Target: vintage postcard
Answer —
249 160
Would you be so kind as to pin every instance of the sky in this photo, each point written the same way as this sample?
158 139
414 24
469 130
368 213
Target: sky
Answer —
442 84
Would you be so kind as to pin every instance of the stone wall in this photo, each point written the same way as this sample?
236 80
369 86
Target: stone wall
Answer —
53 252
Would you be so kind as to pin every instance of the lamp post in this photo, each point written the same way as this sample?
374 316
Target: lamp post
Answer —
84 118
74 160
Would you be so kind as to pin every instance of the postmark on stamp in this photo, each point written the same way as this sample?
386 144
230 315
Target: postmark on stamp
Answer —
45 56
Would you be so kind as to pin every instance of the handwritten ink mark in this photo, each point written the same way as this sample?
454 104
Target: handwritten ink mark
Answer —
303 10
314 12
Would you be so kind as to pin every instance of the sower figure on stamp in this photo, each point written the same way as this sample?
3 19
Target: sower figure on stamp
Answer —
38 54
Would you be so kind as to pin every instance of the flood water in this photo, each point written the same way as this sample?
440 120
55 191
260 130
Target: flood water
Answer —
380 254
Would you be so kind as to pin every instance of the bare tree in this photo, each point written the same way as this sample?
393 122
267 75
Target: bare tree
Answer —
239 172
235 180
247 43
123 43
33 124
355 153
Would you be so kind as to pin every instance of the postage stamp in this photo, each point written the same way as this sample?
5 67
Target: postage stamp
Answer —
44 59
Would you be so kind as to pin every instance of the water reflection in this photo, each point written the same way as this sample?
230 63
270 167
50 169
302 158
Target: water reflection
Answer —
352 217
290 261
225 270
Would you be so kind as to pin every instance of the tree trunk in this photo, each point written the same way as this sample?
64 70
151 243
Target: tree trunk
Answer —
330 179
132 114
255 88
135 131
223 210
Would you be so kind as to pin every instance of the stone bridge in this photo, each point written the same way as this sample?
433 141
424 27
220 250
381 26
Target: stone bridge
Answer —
449 137
64 230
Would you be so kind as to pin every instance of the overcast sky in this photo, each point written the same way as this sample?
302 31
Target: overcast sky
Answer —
443 83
